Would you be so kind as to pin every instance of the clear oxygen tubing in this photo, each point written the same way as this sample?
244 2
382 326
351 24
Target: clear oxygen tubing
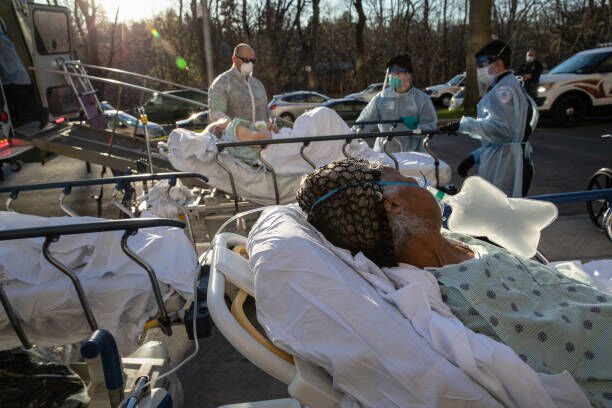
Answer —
195 300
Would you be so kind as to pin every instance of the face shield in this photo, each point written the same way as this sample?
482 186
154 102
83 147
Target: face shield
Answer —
392 77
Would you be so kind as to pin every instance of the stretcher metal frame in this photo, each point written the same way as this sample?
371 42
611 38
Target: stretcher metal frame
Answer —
122 186
587 196
305 141
53 233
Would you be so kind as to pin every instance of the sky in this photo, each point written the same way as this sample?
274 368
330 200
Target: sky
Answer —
134 9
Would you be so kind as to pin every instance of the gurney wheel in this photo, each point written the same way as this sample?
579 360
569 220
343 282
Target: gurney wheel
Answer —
597 209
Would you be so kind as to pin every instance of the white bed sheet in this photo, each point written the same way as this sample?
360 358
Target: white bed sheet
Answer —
118 290
384 345
195 152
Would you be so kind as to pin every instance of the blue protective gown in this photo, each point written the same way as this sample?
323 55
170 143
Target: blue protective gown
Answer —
500 127
390 105
12 70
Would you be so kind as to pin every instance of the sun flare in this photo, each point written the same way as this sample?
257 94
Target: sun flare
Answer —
134 10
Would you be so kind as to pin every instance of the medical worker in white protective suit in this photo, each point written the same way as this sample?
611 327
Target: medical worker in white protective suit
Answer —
505 119
400 100
236 93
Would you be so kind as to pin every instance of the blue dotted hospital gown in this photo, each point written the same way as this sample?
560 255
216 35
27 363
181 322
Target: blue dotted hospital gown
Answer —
554 323
248 154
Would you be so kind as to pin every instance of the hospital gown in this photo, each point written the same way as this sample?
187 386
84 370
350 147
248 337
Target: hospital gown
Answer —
248 154
390 105
500 127
554 323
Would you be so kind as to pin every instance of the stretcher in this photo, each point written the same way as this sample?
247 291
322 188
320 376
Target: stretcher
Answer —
109 379
233 277
265 185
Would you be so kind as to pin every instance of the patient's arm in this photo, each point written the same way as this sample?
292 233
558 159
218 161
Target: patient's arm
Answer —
244 134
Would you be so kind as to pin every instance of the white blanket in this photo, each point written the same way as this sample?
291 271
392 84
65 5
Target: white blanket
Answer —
195 152
118 290
386 342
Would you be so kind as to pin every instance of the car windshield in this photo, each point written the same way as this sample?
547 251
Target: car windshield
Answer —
127 119
579 64
456 80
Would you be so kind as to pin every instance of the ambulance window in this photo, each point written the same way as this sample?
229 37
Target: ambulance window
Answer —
52 34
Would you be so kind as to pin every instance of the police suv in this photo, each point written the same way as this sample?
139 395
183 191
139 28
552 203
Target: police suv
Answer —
577 87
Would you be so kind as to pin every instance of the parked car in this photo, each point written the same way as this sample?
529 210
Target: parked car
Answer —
368 93
457 100
348 108
130 124
290 105
578 86
197 120
162 109
106 106
441 94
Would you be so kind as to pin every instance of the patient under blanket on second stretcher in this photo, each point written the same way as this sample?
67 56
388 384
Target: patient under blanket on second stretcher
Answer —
118 290
195 152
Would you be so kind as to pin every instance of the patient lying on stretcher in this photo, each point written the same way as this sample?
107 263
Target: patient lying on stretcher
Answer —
552 322
239 130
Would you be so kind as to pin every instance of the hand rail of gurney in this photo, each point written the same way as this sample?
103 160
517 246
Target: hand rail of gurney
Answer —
348 138
53 233
121 183
588 195
137 75
118 83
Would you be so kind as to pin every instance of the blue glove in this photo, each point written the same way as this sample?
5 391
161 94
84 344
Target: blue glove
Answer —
411 122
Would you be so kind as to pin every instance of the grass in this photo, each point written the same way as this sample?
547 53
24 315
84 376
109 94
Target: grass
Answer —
445 114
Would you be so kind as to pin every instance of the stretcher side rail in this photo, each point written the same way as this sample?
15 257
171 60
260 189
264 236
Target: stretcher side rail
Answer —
53 233
145 78
122 184
14 191
588 195
118 83
305 141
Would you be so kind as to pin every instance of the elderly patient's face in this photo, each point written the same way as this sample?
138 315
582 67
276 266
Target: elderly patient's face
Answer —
412 208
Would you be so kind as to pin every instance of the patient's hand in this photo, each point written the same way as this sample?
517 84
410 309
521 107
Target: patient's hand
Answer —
244 134
273 127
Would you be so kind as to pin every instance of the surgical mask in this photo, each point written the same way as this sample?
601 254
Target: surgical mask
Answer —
530 58
395 82
484 77
246 68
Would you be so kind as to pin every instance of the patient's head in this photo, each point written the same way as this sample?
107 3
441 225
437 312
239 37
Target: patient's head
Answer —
347 202
353 216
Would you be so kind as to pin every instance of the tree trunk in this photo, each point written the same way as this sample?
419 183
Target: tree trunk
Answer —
89 12
479 35
312 49
360 44
445 51
113 35
245 21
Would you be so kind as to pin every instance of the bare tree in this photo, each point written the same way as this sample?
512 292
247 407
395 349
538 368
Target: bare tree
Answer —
359 43
89 10
479 35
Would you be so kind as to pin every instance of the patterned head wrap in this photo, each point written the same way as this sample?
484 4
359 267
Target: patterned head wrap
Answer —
352 215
